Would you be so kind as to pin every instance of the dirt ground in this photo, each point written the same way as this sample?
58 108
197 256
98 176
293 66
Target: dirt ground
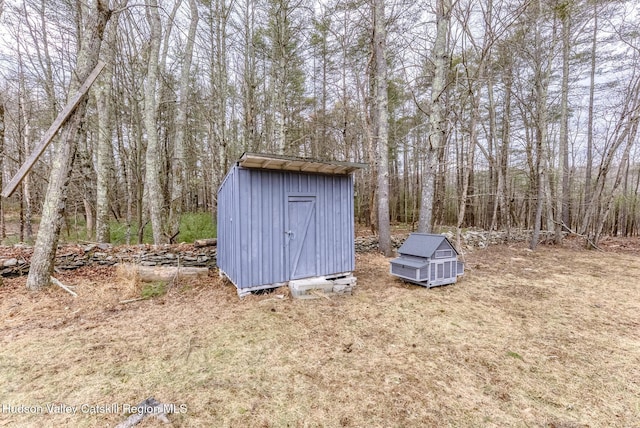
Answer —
525 339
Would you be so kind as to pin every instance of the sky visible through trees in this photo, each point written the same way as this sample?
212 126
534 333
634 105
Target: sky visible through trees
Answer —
302 78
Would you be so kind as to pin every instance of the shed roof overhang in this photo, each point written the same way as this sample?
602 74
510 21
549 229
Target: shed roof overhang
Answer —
292 163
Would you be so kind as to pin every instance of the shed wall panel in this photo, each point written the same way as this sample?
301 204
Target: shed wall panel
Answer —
252 243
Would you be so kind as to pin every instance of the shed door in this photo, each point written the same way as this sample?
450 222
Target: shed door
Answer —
301 236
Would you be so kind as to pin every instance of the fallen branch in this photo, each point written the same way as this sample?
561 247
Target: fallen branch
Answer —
64 287
124 302
593 245
148 407
166 273
205 242
175 278
319 294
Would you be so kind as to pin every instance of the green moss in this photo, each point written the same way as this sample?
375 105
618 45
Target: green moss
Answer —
154 289
514 355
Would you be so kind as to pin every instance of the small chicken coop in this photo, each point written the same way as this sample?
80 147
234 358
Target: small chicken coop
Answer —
283 218
427 259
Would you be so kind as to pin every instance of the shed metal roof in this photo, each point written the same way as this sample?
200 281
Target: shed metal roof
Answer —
292 163
423 244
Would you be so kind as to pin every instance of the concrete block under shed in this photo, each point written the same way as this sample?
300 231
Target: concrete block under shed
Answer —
314 288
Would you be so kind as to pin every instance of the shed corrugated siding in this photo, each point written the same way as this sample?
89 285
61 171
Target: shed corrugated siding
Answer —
252 208
225 222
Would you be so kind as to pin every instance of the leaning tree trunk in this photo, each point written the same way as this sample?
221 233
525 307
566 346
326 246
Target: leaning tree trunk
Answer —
626 125
54 204
633 125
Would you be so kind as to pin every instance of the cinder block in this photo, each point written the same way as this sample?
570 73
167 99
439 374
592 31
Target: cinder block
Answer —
350 280
313 288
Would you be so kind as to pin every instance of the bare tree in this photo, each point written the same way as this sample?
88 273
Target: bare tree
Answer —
249 77
474 77
104 150
3 230
541 71
178 164
54 204
437 135
625 132
562 204
217 36
590 119
25 136
153 189
381 127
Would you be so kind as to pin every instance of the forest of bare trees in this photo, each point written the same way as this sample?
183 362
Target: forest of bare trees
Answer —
496 114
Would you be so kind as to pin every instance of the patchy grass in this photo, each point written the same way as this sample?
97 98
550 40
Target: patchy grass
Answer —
196 226
118 233
531 339
193 226
153 289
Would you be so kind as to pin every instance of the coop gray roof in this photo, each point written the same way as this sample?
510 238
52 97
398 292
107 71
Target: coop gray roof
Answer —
292 163
423 244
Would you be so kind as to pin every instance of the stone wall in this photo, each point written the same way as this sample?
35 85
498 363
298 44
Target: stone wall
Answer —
470 239
15 260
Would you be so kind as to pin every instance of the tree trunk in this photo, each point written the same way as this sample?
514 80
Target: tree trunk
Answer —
249 79
104 150
281 38
502 157
88 181
590 119
382 128
153 188
625 127
437 137
3 230
54 204
220 83
474 93
178 164
26 147
624 208
503 173
541 84
562 203
633 125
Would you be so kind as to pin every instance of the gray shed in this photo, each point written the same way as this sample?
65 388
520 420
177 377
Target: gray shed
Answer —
282 218
427 259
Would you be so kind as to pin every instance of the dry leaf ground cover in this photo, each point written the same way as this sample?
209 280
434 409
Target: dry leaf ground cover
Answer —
527 339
